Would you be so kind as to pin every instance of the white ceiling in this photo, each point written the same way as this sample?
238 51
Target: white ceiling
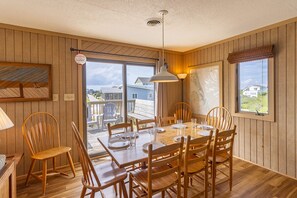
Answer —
189 24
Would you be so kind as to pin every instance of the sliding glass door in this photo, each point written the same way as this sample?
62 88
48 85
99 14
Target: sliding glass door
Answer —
115 92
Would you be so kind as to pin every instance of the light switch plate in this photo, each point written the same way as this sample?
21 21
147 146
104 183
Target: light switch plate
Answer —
68 97
55 97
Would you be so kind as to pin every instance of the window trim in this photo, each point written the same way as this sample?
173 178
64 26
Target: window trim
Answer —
271 95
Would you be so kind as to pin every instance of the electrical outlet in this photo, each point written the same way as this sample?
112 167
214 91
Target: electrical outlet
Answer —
55 97
69 97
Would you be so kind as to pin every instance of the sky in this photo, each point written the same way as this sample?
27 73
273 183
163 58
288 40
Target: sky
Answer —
253 73
109 74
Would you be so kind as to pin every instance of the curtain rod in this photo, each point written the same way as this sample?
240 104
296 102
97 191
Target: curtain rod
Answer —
106 53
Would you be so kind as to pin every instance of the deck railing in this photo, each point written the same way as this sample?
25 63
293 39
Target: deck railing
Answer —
95 108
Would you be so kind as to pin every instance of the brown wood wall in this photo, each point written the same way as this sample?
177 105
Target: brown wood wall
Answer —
30 47
269 144
172 91
272 145
19 44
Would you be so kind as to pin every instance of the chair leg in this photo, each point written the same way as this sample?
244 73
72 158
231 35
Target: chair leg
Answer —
71 163
120 187
115 189
125 194
186 185
130 186
179 188
206 181
92 194
213 178
230 173
30 170
163 194
83 192
54 164
44 174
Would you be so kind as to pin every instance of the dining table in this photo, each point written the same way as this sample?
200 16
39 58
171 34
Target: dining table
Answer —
166 135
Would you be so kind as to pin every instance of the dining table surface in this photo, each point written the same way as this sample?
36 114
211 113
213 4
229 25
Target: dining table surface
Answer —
126 156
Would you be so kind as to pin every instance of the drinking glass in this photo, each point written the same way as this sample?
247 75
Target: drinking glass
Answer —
179 121
153 133
179 131
132 138
194 123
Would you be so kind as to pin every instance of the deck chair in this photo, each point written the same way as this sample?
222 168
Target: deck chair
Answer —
109 114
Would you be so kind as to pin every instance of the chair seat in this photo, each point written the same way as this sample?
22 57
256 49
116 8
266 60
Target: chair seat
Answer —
160 183
53 152
222 157
195 167
109 173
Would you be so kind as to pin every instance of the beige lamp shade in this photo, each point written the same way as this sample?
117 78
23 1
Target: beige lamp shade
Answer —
164 76
5 122
181 76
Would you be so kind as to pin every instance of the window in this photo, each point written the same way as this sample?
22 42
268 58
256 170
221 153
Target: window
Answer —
253 86
111 91
134 96
252 80
254 89
150 96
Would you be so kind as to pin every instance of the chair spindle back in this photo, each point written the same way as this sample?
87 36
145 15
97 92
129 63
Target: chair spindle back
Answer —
41 132
220 118
183 111
90 177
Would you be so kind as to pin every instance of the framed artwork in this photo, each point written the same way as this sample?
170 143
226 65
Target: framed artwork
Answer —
206 87
25 82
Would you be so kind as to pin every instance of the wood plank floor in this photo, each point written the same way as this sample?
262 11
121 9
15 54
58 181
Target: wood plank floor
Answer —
249 181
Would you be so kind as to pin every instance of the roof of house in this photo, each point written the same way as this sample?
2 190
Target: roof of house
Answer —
111 90
143 80
147 87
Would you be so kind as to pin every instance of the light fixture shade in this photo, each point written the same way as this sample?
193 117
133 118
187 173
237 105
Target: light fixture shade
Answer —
181 76
164 76
80 59
5 122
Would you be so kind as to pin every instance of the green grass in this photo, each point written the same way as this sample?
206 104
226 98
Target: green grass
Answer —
252 104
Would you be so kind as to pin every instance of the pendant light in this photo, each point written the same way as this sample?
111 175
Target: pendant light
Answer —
163 75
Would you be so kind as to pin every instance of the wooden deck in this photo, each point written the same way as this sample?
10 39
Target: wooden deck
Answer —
249 181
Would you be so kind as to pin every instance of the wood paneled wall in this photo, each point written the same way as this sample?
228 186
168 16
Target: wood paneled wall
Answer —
172 91
269 144
30 47
18 44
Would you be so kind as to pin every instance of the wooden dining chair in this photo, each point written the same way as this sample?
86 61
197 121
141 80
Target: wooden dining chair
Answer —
222 154
196 161
146 124
98 177
166 121
220 118
119 128
41 132
160 174
183 111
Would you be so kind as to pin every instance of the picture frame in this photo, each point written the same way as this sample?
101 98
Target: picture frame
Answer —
206 87
25 82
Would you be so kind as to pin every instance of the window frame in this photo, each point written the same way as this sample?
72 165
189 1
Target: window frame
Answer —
271 94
